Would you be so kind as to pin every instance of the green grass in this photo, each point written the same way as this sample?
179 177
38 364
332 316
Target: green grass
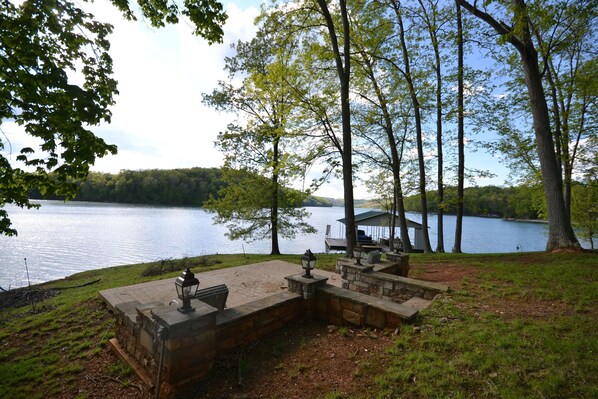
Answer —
465 350
465 347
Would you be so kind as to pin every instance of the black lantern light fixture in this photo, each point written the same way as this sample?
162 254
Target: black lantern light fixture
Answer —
357 251
186 287
308 262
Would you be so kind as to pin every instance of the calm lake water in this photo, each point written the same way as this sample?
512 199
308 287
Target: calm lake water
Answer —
61 239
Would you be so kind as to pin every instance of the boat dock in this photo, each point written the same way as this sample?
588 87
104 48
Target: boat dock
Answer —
335 244
375 226
340 244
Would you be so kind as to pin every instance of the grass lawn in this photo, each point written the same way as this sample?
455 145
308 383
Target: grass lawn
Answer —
516 326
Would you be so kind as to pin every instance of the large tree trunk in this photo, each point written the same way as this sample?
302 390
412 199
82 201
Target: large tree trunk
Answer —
560 232
275 250
431 23
460 135
440 244
343 68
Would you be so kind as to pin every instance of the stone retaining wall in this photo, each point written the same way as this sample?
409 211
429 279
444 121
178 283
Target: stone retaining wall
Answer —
341 307
194 340
239 326
366 280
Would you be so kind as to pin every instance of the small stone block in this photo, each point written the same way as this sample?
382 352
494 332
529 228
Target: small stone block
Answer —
334 305
146 340
358 307
346 304
177 323
375 318
352 317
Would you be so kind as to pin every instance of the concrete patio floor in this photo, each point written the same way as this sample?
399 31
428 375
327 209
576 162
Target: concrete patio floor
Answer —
245 283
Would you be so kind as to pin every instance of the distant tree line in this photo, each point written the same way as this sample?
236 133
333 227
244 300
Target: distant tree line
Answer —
518 202
180 187
177 187
194 186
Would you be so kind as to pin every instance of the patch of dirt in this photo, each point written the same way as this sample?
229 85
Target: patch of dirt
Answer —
516 308
446 273
305 359
97 381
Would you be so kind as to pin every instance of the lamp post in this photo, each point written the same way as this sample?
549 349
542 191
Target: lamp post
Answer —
186 287
308 262
357 251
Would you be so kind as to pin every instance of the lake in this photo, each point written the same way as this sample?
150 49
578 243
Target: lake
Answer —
61 239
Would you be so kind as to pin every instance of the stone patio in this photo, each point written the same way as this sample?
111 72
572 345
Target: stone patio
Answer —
170 349
245 283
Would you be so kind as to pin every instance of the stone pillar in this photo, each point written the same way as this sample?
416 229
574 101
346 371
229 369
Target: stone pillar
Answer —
306 287
402 261
189 345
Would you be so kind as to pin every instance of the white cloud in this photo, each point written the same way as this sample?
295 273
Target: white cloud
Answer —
159 120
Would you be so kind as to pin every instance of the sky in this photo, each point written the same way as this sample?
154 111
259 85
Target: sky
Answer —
159 120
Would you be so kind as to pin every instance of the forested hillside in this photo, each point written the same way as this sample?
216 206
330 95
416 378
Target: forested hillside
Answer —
520 202
182 187
179 187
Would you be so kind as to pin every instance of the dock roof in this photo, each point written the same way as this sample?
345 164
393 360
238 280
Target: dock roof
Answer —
378 218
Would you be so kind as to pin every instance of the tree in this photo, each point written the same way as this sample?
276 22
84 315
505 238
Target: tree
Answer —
434 17
460 134
519 35
381 113
406 72
566 38
342 60
46 47
564 33
245 204
261 159
39 42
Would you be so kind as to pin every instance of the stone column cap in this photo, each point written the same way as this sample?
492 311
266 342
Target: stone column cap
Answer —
175 321
315 279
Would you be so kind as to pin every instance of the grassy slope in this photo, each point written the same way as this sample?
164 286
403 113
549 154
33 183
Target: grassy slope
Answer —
523 325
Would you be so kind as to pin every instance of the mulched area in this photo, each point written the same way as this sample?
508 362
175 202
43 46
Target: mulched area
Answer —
305 359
